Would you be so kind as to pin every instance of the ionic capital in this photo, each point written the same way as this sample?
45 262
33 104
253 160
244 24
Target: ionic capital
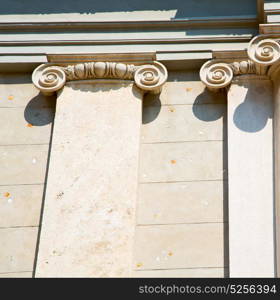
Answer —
263 56
49 78
216 74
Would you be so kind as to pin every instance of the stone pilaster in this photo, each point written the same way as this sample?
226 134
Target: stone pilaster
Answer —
253 150
89 212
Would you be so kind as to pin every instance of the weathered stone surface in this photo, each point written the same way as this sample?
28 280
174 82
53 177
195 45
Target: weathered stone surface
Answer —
188 92
250 158
181 202
23 164
25 126
186 161
179 246
182 273
20 205
17 249
174 123
16 275
89 214
17 90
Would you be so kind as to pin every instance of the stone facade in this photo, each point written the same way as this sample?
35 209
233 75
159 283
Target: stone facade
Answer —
143 144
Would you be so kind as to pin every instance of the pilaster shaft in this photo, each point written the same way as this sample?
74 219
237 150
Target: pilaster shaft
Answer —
250 177
89 212
253 160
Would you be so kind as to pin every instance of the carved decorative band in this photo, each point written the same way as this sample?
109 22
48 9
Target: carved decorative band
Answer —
93 70
49 78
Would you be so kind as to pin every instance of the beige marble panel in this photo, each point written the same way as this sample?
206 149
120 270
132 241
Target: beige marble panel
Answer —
182 273
250 169
16 275
17 90
179 246
17 249
184 202
185 92
89 213
23 164
183 123
186 161
21 126
20 205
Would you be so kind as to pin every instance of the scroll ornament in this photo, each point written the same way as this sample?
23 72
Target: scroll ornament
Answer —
50 78
262 53
216 75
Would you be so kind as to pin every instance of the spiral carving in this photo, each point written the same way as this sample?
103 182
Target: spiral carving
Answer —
264 52
151 77
48 79
216 75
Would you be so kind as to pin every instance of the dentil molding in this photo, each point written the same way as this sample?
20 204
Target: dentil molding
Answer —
263 53
49 78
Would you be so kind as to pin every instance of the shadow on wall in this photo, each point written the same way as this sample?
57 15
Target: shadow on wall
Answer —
208 107
249 116
253 114
149 115
207 97
40 110
182 9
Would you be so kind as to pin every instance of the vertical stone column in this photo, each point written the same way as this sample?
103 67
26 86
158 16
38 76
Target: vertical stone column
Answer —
264 51
250 177
250 159
89 213
275 74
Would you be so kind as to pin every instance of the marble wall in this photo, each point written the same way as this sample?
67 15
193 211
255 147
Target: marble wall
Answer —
25 132
181 226
182 200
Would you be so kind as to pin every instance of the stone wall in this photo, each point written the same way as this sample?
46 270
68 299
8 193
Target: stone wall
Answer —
182 201
182 198
25 131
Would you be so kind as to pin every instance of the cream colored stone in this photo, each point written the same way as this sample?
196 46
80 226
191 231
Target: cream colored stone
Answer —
23 164
89 213
182 273
20 205
16 275
179 246
263 51
188 92
186 161
17 249
49 78
276 128
174 123
216 74
184 202
19 126
250 172
17 90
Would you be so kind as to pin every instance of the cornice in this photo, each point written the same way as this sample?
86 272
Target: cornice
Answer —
128 58
125 41
50 78
214 22
263 54
269 28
